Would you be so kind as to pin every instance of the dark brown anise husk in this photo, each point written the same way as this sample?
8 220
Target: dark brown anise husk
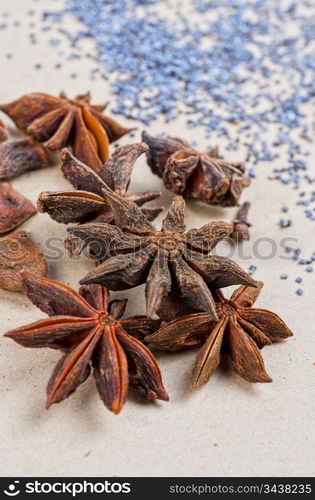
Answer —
236 338
4 134
14 208
19 253
202 176
60 121
87 328
20 156
88 202
241 225
134 252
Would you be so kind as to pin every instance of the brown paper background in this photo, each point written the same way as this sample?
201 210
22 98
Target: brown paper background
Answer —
228 427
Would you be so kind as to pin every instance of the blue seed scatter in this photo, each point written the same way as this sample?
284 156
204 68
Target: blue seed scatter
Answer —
233 69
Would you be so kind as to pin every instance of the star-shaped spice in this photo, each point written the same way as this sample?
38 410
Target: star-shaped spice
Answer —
4 135
88 329
236 337
135 252
17 253
202 176
60 121
18 157
14 208
89 202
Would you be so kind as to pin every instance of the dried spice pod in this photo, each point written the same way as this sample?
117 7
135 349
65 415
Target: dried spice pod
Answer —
238 335
20 156
14 208
201 176
4 134
241 225
18 253
89 202
89 331
134 252
60 121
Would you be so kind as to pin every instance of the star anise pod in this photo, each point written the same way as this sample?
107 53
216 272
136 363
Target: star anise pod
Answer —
14 208
134 252
88 329
17 253
20 156
60 121
202 176
236 337
4 135
89 202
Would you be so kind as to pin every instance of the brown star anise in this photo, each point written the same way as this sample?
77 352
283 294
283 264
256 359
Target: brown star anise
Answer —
17 253
236 338
202 176
89 203
14 208
241 225
20 156
134 252
4 135
60 122
88 329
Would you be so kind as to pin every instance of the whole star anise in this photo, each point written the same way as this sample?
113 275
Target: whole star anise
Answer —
60 121
88 329
202 176
235 338
89 202
134 252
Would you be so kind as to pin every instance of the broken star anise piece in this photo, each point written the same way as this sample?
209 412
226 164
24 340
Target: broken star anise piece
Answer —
134 252
17 253
4 134
89 202
236 338
88 329
202 176
241 225
59 122
14 208
20 156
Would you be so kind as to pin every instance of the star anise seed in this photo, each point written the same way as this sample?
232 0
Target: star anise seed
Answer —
238 335
88 202
60 121
14 208
17 253
134 252
202 176
88 329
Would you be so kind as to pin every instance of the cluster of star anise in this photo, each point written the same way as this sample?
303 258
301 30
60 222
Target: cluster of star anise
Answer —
183 283
185 306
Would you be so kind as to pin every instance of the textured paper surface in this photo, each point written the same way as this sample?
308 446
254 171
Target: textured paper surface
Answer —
228 427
